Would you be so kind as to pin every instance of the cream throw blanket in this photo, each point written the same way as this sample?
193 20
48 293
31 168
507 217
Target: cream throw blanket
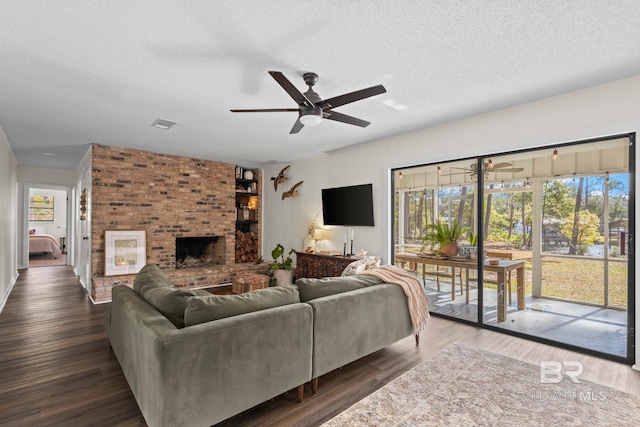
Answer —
416 297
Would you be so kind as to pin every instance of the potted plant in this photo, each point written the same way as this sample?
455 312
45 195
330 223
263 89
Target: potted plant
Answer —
470 251
473 239
445 236
281 267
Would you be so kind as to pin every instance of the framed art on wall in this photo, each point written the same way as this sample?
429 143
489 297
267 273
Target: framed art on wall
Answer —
125 252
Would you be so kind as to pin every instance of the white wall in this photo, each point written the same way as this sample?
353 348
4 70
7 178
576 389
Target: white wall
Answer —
597 111
8 219
33 175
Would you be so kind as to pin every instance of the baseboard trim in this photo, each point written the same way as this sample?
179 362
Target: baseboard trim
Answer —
94 302
6 296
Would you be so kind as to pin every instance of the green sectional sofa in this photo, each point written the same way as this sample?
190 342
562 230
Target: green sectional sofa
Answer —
195 359
353 316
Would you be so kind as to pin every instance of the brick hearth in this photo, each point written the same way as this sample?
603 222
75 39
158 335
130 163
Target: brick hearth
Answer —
168 197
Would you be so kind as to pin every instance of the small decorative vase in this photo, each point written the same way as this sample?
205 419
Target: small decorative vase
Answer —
283 277
308 244
248 174
468 251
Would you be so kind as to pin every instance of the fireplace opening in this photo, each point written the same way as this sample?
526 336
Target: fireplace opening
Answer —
200 251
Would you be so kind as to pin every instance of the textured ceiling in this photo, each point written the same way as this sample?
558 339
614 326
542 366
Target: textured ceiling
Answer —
79 72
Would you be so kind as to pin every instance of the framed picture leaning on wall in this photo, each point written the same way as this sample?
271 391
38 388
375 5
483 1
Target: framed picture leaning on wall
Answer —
125 252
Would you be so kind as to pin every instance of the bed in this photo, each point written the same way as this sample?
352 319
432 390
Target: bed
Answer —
41 243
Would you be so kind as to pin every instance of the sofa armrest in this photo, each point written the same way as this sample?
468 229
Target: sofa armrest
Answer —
353 324
205 373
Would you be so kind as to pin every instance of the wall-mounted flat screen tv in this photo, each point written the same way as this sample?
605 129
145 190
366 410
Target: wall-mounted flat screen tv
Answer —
352 206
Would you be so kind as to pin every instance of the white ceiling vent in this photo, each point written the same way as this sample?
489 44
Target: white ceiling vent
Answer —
163 124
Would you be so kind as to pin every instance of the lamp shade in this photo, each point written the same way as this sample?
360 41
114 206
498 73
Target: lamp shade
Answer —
320 234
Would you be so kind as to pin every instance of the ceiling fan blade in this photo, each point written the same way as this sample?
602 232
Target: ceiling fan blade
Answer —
454 173
291 89
351 97
297 127
339 117
502 165
508 170
266 110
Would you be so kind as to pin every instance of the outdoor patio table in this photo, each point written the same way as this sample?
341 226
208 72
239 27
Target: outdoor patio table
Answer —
501 269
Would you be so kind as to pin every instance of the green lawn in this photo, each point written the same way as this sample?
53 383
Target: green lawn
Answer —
577 279
583 280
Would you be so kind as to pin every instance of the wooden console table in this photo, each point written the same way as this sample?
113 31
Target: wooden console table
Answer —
317 266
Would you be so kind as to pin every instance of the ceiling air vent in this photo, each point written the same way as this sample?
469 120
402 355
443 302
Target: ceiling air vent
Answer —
163 124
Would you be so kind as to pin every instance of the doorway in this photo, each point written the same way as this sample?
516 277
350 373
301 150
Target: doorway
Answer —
47 228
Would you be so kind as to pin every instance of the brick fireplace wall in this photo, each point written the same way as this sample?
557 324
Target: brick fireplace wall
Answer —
168 197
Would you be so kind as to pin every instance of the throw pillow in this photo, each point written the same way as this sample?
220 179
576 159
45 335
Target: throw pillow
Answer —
360 265
214 307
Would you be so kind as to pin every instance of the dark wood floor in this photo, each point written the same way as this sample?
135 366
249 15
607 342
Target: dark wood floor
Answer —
56 367
55 363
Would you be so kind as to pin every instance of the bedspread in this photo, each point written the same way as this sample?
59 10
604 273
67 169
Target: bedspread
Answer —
44 243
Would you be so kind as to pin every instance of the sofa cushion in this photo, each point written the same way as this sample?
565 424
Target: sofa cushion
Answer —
318 288
200 293
170 302
208 308
156 288
150 274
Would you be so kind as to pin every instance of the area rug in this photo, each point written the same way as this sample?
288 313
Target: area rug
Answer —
466 386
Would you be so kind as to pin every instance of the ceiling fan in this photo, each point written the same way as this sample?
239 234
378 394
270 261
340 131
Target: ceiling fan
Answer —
311 108
488 167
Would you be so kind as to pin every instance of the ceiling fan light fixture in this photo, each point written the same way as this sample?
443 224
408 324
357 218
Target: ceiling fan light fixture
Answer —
311 117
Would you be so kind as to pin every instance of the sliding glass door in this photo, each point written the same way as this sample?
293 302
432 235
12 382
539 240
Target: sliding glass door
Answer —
432 199
543 247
